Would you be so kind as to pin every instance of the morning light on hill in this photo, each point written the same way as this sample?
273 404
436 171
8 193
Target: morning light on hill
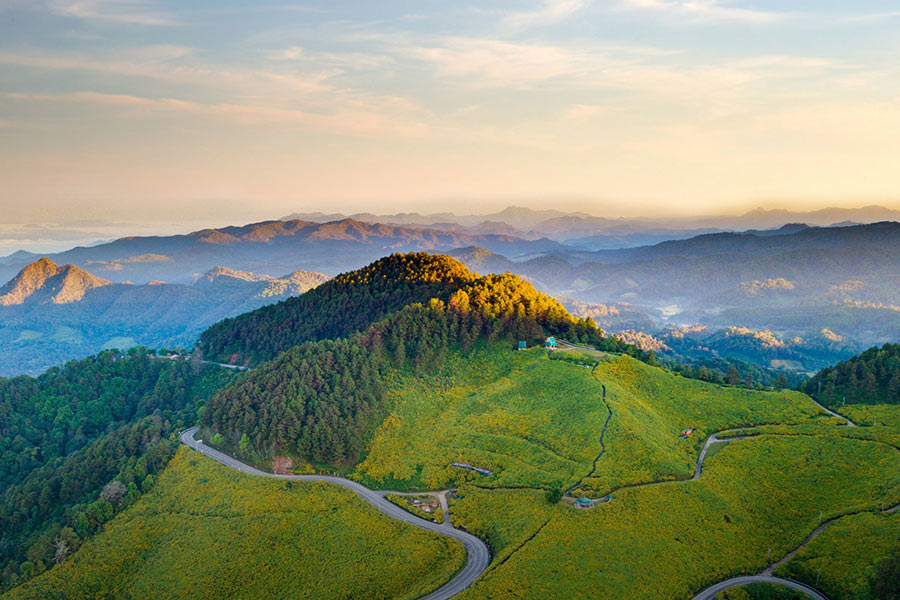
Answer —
555 299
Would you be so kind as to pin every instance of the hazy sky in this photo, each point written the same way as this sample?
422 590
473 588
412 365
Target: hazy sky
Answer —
163 110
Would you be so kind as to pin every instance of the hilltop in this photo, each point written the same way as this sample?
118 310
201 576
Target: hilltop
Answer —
44 281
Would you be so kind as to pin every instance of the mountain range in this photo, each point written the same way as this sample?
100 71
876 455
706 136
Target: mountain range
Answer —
593 232
269 247
50 314
793 281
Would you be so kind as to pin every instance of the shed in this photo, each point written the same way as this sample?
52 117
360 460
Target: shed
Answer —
550 342
523 345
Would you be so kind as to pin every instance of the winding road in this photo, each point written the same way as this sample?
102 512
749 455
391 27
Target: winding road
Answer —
479 556
710 592
766 575
477 551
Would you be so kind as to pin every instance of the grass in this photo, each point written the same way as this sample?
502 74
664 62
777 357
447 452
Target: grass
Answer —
537 423
506 519
534 422
650 408
840 561
205 531
672 539
878 416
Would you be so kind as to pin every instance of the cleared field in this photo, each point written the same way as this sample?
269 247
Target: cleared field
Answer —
669 540
532 421
537 423
845 554
504 518
651 407
205 531
878 416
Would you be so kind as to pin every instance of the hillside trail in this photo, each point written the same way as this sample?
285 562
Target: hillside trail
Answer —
477 551
767 574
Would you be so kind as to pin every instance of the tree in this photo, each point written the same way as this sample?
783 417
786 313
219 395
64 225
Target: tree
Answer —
113 491
733 377
60 549
554 494
885 583
218 439
244 444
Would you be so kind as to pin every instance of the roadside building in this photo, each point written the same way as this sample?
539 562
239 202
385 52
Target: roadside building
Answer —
550 342
584 502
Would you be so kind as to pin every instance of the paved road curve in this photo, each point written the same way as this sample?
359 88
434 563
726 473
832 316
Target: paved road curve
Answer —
710 592
478 554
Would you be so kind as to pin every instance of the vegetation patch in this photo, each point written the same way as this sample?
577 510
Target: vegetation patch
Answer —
533 422
673 539
651 407
206 531
844 557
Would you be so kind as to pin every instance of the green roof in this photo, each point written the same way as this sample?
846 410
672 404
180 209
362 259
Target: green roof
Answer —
584 501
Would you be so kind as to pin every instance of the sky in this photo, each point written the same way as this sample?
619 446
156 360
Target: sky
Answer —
219 111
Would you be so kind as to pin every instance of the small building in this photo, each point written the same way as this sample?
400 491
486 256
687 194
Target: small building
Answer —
550 342
687 432
584 502
523 345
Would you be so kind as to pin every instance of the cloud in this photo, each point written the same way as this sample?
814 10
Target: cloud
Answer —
550 11
702 10
578 112
348 118
136 12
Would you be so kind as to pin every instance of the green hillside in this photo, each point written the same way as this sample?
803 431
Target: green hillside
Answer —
206 531
672 539
537 423
69 433
322 401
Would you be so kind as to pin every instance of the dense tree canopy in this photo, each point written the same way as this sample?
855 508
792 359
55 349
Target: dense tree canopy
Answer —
873 377
69 433
348 303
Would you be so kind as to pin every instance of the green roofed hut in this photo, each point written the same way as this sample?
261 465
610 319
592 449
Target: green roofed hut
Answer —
584 502
523 345
550 342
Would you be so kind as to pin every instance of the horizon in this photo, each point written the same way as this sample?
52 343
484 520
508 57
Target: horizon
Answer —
61 236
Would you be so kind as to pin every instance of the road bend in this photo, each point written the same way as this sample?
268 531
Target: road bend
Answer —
479 556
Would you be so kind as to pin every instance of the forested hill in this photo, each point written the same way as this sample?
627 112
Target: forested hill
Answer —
323 400
80 442
872 377
350 302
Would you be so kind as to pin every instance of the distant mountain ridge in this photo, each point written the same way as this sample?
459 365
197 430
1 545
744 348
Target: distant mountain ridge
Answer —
51 314
270 248
587 231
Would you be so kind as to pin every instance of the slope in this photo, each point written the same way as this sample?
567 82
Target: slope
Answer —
205 531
